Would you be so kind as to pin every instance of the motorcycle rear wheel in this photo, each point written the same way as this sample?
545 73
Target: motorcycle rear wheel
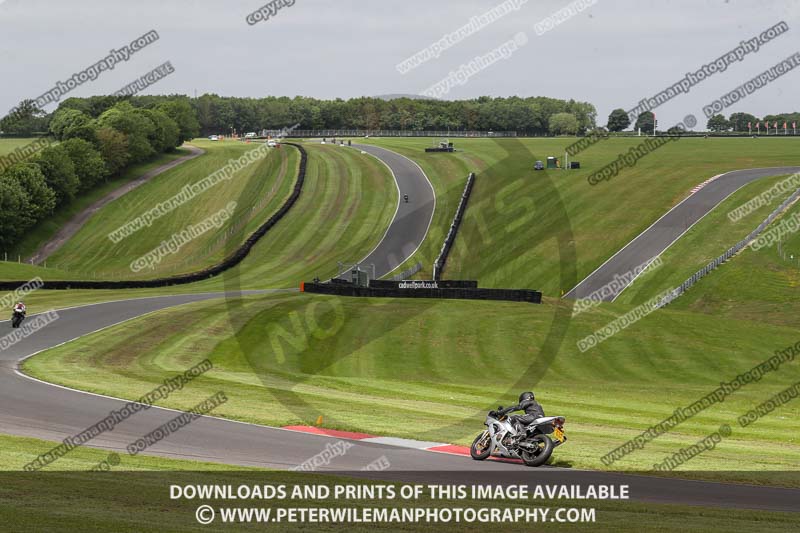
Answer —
545 446
479 454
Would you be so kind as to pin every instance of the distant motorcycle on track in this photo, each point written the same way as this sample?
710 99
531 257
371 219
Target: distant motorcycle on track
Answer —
16 318
504 437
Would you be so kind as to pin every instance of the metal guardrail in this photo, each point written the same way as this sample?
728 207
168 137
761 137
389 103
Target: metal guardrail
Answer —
441 260
406 274
733 250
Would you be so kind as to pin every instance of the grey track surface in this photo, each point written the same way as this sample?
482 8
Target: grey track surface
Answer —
73 225
32 408
412 220
666 230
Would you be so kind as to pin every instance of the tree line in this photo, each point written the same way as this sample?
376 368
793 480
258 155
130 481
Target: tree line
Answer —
738 122
94 138
527 116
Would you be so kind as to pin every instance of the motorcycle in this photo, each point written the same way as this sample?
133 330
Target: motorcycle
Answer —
505 438
17 318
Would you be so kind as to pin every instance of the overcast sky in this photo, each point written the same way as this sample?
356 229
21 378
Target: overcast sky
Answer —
613 54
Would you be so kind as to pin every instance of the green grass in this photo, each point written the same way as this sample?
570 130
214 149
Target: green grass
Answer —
345 207
43 231
548 229
347 203
8 145
258 189
429 370
754 286
136 498
762 279
15 452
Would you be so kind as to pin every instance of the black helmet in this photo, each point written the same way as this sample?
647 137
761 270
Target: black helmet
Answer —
526 396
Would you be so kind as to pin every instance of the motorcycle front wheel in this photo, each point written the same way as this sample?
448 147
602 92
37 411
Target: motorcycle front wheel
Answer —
481 447
542 454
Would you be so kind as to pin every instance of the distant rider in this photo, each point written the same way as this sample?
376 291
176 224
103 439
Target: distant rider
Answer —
20 308
527 403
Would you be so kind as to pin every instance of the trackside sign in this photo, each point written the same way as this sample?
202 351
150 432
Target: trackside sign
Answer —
418 285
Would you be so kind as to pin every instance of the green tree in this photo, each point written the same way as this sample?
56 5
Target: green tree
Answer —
113 148
563 124
185 118
59 172
645 121
135 124
739 121
618 120
70 123
89 164
166 134
13 218
40 199
25 119
718 123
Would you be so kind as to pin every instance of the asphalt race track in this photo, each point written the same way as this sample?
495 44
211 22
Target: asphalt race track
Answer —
668 229
412 219
29 407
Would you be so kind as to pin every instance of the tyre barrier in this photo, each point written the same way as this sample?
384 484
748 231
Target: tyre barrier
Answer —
341 289
234 259
440 262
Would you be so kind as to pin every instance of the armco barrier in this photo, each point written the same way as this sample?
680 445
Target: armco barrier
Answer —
733 250
234 259
438 265
512 295
405 274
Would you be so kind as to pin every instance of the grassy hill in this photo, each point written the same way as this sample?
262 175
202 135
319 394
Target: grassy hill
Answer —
366 365
524 226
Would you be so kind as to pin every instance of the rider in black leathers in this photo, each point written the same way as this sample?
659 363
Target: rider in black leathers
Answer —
527 403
